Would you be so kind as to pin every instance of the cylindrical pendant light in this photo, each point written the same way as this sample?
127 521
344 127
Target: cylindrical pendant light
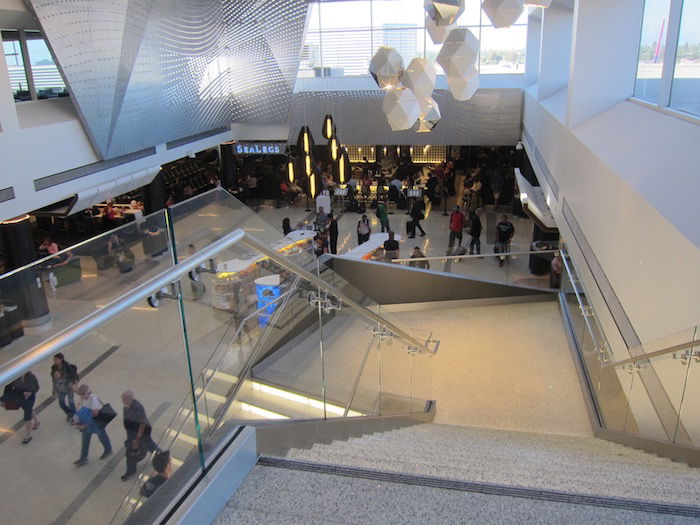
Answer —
307 142
307 165
328 127
312 185
341 167
334 148
290 171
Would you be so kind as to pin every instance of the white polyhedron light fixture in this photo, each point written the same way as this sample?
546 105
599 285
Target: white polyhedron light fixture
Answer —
444 12
429 114
401 109
464 87
419 77
386 67
459 52
538 3
503 13
437 33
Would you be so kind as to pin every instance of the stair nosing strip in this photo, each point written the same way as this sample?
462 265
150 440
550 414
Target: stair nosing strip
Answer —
484 488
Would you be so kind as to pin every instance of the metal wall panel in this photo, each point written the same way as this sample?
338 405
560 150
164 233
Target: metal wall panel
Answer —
147 72
491 118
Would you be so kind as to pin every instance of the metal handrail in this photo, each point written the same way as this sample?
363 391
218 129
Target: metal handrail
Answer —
655 353
538 252
18 366
580 303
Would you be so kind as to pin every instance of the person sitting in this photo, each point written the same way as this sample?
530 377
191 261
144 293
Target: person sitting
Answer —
163 467
417 254
48 247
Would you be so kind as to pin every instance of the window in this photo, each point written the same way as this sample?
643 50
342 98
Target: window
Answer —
39 78
15 65
47 79
685 91
668 71
343 36
652 47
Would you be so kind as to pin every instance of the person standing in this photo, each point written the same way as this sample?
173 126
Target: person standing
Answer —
363 230
24 389
65 380
321 219
85 419
333 233
475 233
138 433
391 248
456 225
417 216
383 216
504 233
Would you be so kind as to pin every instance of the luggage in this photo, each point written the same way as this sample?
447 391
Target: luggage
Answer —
410 229
460 250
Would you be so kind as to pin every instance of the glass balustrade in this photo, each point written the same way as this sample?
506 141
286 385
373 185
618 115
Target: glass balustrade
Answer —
654 396
59 290
522 268
239 338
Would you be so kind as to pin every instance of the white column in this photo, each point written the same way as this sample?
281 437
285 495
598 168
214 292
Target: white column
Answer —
532 51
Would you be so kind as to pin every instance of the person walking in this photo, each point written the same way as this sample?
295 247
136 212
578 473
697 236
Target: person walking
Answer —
90 406
456 225
138 433
383 216
475 233
332 233
417 216
65 381
504 233
24 390
363 230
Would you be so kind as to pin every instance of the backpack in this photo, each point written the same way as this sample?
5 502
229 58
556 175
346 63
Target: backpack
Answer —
72 373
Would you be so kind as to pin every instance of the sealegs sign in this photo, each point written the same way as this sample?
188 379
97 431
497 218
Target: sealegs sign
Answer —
260 148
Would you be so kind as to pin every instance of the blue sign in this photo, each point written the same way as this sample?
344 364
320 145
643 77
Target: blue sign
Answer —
266 294
260 148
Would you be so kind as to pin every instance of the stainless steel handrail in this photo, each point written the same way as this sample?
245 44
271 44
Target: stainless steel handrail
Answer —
655 353
580 303
538 252
18 366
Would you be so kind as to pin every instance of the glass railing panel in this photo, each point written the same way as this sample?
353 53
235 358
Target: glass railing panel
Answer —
57 291
201 220
613 394
142 351
690 408
531 269
365 396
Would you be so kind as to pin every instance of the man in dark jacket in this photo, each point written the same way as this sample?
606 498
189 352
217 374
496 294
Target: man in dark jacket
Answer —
25 389
475 233
138 433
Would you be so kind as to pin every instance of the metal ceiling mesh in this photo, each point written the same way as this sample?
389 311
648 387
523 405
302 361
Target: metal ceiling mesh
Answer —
146 72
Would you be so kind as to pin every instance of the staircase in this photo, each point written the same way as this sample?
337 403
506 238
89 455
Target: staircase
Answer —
448 474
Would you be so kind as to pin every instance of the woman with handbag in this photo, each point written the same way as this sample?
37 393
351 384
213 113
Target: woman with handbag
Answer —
24 390
86 420
65 380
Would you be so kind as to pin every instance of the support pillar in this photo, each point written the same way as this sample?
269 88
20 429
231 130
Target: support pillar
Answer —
228 165
154 195
24 288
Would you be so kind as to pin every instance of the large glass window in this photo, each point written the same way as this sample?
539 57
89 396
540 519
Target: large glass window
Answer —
685 91
40 69
15 65
343 36
652 47
47 79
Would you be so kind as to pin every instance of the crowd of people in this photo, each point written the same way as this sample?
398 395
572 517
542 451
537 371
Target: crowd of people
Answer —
88 414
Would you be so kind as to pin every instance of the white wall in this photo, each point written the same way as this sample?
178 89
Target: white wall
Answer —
555 50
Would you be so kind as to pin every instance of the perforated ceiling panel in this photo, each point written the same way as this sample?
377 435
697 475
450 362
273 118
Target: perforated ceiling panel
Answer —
146 72
491 118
